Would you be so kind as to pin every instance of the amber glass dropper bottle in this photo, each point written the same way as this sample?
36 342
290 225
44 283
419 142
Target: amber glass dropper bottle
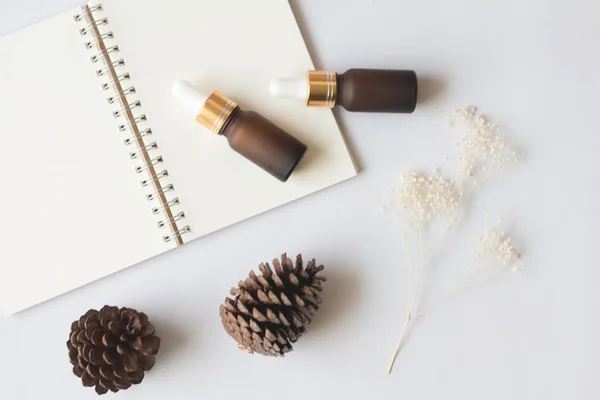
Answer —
248 133
369 90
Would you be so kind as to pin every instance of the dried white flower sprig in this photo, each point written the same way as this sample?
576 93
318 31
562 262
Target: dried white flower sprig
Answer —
482 148
429 206
493 254
427 198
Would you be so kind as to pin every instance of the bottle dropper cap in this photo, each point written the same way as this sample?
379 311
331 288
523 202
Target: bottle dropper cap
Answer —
189 96
211 111
289 88
317 88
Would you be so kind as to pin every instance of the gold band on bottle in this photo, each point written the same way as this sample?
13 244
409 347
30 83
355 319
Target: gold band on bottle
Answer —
322 89
216 111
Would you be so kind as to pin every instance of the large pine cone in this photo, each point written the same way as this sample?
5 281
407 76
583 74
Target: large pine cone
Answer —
111 348
270 311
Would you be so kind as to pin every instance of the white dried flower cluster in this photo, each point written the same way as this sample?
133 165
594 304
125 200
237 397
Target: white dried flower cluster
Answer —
495 243
482 146
424 198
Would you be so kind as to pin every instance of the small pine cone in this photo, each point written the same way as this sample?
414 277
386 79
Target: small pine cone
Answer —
270 311
111 349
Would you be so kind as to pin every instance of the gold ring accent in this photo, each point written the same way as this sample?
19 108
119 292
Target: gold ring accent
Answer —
215 112
322 89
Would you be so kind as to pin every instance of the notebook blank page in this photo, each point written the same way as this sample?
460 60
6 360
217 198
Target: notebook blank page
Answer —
73 209
235 47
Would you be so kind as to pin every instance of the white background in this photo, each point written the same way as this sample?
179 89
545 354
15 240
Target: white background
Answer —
532 67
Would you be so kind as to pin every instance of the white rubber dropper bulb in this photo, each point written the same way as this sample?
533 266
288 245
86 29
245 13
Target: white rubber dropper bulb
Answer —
189 96
289 88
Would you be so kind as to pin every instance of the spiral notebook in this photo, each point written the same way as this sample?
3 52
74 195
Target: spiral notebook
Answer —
104 169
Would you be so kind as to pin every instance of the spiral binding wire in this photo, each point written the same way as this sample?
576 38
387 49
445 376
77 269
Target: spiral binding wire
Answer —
88 15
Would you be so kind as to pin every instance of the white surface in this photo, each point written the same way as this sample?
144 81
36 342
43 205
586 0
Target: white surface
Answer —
65 141
533 68
189 96
289 88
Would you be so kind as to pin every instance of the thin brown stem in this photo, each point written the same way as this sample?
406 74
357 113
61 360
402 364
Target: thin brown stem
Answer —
412 293
416 290
455 288
421 244
408 303
435 303
435 249
399 345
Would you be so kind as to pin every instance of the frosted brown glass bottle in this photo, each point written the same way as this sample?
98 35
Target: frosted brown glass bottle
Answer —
368 90
248 133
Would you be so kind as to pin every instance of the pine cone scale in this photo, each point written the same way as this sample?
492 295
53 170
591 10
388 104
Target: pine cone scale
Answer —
73 352
116 327
106 372
119 371
147 330
110 356
146 362
87 379
150 345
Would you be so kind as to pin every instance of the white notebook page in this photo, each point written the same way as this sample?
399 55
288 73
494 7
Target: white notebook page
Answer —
73 209
235 47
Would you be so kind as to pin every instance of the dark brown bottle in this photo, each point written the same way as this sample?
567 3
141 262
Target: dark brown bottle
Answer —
263 143
369 90
248 133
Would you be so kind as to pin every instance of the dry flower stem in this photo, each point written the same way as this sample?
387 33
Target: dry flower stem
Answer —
425 202
492 243
411 299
